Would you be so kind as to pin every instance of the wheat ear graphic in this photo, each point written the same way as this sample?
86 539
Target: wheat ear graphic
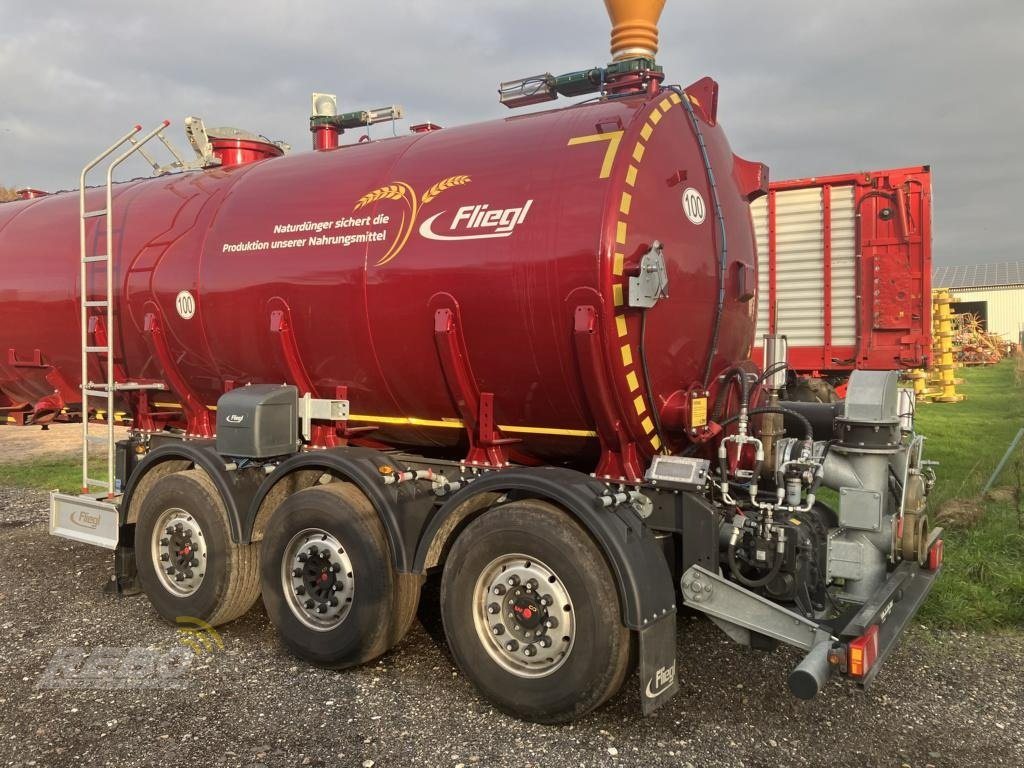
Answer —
388 192
442 185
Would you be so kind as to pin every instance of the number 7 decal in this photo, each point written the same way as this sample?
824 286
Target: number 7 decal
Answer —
612 137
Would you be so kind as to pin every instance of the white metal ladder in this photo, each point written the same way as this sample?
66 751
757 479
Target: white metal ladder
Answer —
103 297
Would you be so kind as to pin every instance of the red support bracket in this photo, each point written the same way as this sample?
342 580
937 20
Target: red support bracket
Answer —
323 435
486 445
196 413
35 362
281 324
619 457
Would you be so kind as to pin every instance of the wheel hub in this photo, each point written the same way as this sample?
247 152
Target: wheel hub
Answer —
179 552
523 615
317 578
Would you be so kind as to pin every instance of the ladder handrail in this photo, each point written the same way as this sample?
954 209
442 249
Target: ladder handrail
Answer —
82 276
136 146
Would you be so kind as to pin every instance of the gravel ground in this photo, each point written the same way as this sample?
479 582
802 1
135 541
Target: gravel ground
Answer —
954 700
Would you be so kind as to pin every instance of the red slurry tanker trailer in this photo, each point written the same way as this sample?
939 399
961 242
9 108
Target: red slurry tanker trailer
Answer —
513 353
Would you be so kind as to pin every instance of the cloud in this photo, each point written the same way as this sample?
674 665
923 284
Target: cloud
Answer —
810 88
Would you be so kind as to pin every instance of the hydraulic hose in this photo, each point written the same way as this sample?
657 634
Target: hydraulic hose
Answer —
723 263
655 415
737 373
809 430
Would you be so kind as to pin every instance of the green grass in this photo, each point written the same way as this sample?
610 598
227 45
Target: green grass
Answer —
47 474
982 584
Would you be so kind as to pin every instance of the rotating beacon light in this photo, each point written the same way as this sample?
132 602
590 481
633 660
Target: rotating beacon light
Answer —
325 132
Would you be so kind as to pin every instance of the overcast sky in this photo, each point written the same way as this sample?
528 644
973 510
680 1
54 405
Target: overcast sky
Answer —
808 87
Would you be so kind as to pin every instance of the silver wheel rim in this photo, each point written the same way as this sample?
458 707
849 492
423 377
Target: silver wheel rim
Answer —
179 552
523 615
317 578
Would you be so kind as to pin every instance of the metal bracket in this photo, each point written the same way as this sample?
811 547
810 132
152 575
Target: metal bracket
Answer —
652 283
324 410
199 140
714 595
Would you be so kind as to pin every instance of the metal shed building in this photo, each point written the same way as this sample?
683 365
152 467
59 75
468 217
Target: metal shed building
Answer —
993 292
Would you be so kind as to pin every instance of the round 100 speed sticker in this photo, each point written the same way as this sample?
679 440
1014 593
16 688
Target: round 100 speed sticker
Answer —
185 303
693 205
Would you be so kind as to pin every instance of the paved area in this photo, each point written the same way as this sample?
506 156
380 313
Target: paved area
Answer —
25 443
86 679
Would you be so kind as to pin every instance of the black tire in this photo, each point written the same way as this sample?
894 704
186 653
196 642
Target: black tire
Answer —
383 603
598 659
229 584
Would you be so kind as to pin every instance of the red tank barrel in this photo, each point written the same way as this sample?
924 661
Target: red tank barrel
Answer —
554 279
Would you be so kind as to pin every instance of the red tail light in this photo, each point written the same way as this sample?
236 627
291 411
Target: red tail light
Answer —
935 556
862 652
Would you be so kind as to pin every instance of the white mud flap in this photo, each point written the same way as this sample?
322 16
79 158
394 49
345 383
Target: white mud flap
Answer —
84 519
658 681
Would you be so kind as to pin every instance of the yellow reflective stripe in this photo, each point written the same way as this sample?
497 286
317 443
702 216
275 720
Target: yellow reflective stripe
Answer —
620 233
620 325
409 421
550 431
631 175
634 383
617 264
638 151
646 131
627 355
638 403
617 295
412 421
627 201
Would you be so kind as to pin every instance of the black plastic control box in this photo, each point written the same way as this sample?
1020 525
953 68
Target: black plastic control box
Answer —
259 421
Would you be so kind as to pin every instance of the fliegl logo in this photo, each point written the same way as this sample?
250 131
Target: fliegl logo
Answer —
477 222
660 681
470 222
